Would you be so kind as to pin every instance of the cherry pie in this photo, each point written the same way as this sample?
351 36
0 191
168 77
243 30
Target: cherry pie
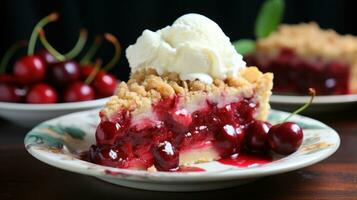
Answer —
161 122
303 56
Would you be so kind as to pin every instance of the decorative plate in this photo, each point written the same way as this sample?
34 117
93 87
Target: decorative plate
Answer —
326 103
59 141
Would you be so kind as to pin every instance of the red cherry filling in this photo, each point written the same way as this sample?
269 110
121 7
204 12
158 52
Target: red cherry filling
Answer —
166 157
295 74
285 138
159 142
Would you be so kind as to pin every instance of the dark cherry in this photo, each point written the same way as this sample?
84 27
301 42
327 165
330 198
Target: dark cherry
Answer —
86 70
107 132
64 73
166 157
7 78
78 91
105 84
29 69
46 56
42 94
285 138
109 155
10 93
256 139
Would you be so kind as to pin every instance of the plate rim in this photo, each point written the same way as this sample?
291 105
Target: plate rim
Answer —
328 99
54 106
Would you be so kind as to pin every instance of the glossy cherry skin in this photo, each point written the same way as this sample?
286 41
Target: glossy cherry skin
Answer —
42 94
107 132
285 138
78 91
166 157
86 70
105 84
64 73
256 138
10 93
29 69
46 56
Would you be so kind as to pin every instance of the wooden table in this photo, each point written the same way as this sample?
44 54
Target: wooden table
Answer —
24 177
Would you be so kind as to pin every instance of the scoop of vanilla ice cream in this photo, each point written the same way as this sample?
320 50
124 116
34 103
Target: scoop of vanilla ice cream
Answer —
195 47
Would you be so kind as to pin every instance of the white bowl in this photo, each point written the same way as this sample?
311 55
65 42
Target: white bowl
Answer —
29 115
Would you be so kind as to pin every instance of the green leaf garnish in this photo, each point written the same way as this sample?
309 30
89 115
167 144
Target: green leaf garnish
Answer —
269 17
244 46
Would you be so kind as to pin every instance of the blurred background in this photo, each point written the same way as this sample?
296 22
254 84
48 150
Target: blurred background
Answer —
127 19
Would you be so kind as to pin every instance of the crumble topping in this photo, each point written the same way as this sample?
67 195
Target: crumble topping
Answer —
308 40
146 87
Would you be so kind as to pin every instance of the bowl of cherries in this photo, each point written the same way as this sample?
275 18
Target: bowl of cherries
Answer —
45 83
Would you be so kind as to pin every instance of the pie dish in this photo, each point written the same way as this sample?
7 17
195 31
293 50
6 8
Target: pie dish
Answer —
304 55
198 122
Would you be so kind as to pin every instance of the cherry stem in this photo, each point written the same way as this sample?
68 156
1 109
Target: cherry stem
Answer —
312 94
95 71
10 53
33 38
48 46
82 39
92 50
112 39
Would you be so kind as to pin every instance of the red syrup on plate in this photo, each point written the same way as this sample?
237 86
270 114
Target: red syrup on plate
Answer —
246 160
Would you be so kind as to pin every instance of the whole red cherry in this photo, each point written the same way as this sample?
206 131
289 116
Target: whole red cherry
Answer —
105 84
46 56
42 94
10 93
285 138
29 69
78 91
64 73
86 70
256 139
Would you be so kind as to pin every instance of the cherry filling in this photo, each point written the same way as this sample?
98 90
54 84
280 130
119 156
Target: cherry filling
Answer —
123 143
293 74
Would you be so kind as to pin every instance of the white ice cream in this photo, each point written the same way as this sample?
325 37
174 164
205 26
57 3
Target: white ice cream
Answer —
195 47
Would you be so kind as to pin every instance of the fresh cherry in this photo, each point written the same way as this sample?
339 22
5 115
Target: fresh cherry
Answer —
166 157
42 94
10 93
256 139
29 69
65 72
7 78
105 84
285 138
46 56
78 91
86 70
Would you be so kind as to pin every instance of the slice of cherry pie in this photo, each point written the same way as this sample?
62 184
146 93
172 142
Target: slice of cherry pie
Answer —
303 56
163 122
